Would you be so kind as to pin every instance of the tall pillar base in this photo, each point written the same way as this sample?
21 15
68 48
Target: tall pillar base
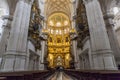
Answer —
103 61
12 61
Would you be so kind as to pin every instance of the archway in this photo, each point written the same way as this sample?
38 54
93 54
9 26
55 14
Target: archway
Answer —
58 25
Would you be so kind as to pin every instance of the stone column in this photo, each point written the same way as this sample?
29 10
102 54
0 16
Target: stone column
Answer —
73 24
102 55
76 56
108 17
15 57
42 54
39 62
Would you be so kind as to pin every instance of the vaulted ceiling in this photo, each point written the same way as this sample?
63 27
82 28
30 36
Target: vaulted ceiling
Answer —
53 6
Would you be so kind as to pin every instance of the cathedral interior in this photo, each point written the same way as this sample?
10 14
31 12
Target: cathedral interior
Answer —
59 39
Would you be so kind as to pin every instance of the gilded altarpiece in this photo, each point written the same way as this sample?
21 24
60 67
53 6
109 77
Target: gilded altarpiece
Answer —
58 40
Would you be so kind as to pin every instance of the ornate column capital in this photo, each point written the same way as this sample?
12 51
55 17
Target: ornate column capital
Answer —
8 17
108 17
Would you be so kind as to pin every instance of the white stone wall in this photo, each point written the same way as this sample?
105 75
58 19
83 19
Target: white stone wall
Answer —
117 26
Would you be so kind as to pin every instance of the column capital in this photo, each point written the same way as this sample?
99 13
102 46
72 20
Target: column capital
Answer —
108 15
8 17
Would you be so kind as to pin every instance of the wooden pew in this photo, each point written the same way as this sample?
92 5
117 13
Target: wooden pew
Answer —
22 75
3 78
94 74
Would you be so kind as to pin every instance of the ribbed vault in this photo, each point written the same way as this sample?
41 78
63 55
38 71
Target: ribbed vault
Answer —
52 6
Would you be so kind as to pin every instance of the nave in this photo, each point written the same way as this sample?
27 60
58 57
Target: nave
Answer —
83 36
60 75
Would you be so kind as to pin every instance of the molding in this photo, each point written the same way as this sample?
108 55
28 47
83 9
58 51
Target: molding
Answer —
102 51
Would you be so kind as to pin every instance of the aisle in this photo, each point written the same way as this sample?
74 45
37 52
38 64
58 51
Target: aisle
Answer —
60 75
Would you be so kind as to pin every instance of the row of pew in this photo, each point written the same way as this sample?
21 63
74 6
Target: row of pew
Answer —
94 74
78 74
26 75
